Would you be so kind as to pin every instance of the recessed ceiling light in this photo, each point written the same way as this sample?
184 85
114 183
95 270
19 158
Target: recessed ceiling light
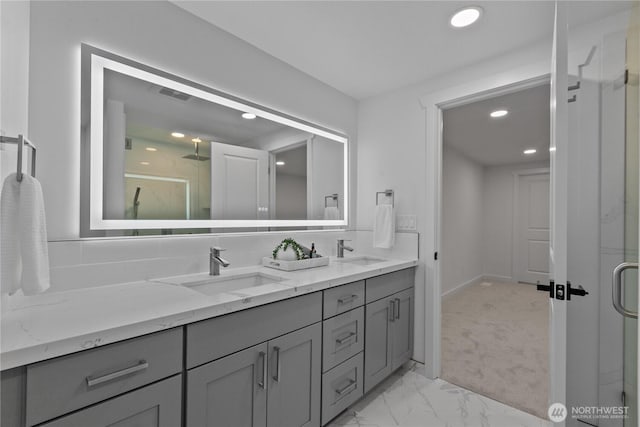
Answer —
151 149
145 163
248 116
280 163
499 113
196 140
465 17
530 151
177 134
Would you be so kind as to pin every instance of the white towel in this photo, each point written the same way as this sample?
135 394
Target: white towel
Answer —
24 256
331 212
384 227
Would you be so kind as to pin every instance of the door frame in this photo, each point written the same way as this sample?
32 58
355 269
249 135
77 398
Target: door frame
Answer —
516 200
433 105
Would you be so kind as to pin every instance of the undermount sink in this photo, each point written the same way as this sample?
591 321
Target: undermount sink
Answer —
213 285
361 260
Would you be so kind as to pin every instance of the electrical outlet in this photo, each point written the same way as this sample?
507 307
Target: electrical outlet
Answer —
406 222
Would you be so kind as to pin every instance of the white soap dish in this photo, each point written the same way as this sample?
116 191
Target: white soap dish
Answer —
302 264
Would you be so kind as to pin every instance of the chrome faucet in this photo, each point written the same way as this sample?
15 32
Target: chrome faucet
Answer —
342 247
215 261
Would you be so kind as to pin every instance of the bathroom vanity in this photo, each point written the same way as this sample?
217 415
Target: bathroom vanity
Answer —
291 353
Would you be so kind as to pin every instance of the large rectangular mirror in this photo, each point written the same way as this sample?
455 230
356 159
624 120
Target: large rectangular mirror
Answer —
168 153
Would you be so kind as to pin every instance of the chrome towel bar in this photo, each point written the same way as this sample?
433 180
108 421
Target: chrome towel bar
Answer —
21 141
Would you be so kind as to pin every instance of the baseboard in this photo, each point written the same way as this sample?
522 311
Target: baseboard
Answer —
499 279
458 288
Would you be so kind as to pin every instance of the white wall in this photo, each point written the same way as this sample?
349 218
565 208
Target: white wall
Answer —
326 174
462 220
498 217
163 36
14 79
392 153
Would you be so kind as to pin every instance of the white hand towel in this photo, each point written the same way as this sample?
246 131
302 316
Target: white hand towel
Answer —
23 237
384 227
331 212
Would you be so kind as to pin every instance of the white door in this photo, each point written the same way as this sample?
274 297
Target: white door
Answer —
586 206
532 228
559 146
239 182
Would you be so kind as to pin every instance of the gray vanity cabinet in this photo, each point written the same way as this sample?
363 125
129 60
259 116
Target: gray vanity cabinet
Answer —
389 325
294 379
231 391
257 367
403 328
156 405
378 342
275 384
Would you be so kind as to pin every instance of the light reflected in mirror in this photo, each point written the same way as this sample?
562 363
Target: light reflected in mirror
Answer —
172 159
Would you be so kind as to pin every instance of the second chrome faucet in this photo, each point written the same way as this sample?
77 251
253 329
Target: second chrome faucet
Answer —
215 261
342 247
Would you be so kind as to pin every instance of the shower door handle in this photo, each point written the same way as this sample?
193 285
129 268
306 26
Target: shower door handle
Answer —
616 290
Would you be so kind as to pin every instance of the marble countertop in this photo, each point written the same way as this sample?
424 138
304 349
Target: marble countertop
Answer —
54 324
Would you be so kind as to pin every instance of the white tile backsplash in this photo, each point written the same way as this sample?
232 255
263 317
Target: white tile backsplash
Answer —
97 262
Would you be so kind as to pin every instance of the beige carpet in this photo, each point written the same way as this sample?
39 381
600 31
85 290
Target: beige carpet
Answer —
495 342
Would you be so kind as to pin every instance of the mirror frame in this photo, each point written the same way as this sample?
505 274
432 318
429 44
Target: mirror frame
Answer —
101 60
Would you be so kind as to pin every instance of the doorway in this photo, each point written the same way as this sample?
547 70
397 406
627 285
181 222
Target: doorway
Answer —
494 244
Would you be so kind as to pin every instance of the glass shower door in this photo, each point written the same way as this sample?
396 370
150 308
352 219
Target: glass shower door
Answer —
632 138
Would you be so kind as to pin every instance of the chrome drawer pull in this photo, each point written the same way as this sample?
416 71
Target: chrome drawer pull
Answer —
348 388
141 366
349 337
398 306
276 377
347 300
392 310
262 356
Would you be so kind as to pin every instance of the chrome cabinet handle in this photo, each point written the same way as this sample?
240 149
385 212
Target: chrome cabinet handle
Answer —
276 351
349 337
140 366
397 305
392 310
348 388
262 360
346 300
616 289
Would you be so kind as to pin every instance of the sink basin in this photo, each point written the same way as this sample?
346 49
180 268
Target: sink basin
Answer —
361 260
219 284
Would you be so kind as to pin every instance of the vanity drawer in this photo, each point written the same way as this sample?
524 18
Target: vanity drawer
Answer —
342 337
343 298
341 387
387 284
58 386
215 338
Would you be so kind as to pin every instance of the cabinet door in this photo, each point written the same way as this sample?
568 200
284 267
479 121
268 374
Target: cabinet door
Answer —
403 328
230 391
378 342
157 405
294 378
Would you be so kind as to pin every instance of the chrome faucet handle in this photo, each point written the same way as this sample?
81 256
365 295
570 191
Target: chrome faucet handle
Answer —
217 249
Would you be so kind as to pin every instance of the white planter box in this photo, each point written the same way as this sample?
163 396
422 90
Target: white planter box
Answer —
294 265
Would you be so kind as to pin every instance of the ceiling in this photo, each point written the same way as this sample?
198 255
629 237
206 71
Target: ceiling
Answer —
364 48
154 116
501 141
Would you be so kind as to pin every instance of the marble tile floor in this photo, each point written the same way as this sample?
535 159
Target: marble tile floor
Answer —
409 399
